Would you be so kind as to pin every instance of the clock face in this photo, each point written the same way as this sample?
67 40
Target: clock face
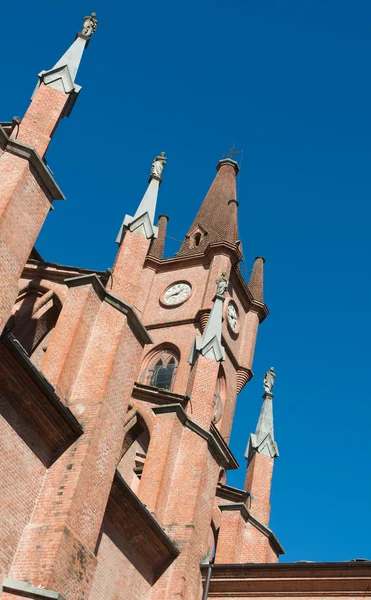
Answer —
232 316
177 293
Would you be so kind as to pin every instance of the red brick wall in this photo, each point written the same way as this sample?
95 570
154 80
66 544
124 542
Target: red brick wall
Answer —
21 474
116 576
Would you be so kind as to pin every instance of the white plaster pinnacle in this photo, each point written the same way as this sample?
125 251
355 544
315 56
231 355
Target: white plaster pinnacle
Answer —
262 441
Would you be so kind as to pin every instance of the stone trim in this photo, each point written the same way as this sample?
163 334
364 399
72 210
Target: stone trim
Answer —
24 151
137 506
216 445
249 518
226 492
157 395
124 307
28 591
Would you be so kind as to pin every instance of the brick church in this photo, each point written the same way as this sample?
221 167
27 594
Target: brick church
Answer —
117 395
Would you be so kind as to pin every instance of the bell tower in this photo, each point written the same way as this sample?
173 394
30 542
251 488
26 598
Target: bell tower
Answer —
203 319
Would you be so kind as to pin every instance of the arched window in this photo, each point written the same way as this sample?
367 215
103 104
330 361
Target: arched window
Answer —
197 238
161 369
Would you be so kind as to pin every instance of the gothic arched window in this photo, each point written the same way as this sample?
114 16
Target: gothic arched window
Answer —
161 369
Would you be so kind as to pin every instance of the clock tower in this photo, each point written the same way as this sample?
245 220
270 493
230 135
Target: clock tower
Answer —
203 320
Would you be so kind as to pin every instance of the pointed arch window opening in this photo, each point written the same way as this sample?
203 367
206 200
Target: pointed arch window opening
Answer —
197 238
161 370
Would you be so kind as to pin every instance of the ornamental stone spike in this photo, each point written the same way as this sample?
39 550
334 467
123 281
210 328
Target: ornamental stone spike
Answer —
262 441
143 221
210 344
62 76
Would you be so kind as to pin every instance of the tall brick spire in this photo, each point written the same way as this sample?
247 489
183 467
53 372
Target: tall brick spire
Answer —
216 220
27 187
158 244
135 236
261 451
256 280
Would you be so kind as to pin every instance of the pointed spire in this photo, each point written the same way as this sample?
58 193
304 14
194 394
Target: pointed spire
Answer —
142 222
62 76
216 220
158 244
255 284
210 344
262 441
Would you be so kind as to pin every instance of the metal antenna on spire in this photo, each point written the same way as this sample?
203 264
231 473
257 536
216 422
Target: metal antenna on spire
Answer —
232 152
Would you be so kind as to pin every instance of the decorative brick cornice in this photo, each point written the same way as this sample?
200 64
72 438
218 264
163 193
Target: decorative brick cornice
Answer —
291 580
216 443
27 152
124 307
26 590
249 518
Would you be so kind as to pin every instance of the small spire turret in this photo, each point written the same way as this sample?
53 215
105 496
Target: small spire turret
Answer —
143 221
62 76
262 441
256 280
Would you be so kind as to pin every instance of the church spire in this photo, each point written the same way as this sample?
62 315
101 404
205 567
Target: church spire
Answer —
210 344
262 441
255 284
158 244
216 220
62 76
261 451
143 221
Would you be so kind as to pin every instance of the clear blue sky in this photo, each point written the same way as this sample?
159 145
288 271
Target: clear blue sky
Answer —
289 82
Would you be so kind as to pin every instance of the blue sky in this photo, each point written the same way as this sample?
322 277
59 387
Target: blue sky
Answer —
289 83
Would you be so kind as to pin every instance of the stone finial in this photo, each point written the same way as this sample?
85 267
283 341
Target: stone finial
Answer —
269 378
221 284
262 441
142 223
89 25
158 165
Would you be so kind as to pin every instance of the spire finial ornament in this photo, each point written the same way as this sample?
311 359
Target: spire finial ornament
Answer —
89 25
269 378
221 284
143 221
262 441
158 165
